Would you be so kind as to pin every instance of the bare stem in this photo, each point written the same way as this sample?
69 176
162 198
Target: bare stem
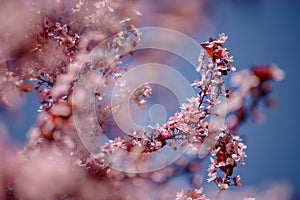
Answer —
217 197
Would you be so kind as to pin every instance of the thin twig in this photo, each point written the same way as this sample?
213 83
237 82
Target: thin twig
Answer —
218 195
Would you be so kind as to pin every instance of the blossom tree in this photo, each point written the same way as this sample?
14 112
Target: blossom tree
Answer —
74 56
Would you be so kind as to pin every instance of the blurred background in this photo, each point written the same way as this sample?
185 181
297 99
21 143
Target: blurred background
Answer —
260 32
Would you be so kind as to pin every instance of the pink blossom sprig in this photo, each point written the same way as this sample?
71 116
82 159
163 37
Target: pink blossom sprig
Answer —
227 152
191 124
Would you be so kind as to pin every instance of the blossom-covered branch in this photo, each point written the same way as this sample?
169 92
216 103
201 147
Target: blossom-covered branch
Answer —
53 55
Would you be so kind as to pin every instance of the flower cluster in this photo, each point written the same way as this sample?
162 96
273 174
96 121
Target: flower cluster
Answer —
252 88
229 150
196 194
218 54
140 93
